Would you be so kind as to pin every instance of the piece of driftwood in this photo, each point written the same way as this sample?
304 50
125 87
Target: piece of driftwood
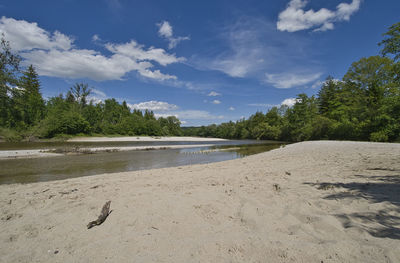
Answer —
102 217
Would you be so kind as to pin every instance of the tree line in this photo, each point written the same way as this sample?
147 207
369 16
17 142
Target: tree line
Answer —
364 105
24 114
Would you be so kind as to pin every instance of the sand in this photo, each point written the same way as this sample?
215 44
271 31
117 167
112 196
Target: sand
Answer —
307 202
32 153
38 153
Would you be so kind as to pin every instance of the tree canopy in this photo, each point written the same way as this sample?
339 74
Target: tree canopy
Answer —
363 105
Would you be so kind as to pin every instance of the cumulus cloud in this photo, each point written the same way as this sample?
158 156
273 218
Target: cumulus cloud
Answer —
289 102
216 102
213 94
295 18
138 52
231 108
165 30
291 80
27 36
55 55
262 105
286 102
154 106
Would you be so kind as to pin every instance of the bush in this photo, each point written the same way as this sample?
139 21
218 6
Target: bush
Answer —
322 128
379 136
10 135
69 122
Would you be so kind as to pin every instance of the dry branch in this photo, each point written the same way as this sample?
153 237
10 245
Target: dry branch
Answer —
102 217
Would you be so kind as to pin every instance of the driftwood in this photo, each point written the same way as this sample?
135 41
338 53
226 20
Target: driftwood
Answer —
102 217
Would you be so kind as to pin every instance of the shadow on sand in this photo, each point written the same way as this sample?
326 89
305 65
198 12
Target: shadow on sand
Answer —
383 223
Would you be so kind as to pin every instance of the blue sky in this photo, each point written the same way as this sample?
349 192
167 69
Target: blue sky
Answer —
202 61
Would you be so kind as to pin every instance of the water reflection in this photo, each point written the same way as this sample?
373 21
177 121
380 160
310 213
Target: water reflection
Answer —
62 167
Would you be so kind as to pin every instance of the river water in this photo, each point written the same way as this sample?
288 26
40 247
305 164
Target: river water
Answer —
69 166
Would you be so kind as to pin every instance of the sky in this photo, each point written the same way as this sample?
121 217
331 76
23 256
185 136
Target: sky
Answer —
203 61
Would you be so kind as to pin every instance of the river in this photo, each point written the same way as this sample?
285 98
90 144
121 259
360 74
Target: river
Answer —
28 170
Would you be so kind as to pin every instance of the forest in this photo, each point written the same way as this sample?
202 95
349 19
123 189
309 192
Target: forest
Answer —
25 115
363 105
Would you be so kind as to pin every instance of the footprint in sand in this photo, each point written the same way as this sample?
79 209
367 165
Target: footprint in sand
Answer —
30 231
10 217
208 213
12 238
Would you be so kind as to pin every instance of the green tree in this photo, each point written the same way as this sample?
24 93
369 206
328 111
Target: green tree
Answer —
374 79
33 101
300 118
79 94
9 67
391 45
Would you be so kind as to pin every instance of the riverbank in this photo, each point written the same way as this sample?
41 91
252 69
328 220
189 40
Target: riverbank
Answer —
144 139
51 152
37 153
307 202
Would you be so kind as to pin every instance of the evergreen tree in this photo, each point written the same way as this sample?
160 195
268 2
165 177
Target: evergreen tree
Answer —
391 45
9 67
33 102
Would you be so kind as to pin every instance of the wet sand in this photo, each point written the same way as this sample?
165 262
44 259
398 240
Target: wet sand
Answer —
307 202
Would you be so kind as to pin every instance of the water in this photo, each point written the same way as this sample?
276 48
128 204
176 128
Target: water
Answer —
69 166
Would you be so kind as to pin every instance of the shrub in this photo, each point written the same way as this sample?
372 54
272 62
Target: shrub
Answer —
379 136
69 122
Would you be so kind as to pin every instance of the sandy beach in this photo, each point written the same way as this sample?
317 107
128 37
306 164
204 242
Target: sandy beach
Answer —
38 153
51 152
323 201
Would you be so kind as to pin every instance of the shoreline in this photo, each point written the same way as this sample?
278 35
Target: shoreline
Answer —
42 153
307 202
144 139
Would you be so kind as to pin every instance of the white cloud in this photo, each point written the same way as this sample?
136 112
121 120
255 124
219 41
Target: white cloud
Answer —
231 108
165 30
263 105
289 102
154 106
286 102
344 10
98 93
55 55
97 96
290 80
190 115
156 74
138 52
27 36
213 94
96 38
317 84
216 102
252 47
295 18
244 53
